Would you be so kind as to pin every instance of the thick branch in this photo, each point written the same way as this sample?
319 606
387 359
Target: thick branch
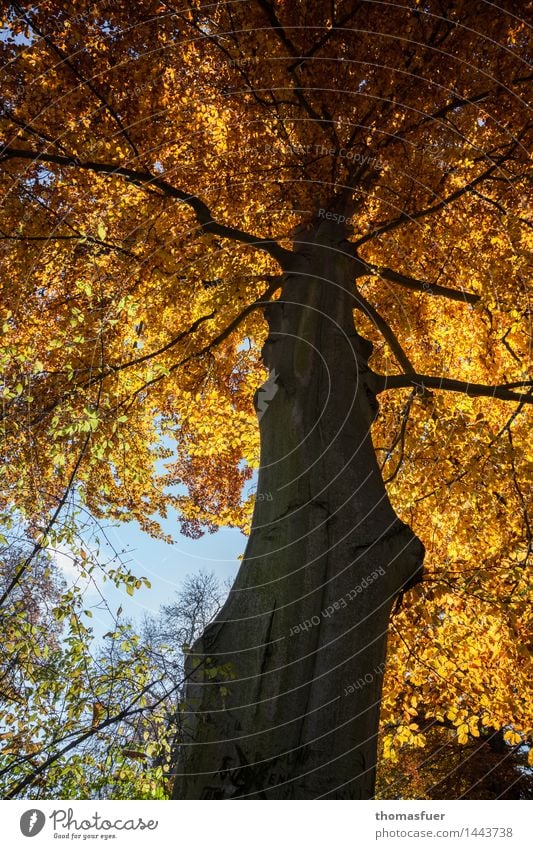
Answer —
422 285
423 381
399 439
201 210
386 331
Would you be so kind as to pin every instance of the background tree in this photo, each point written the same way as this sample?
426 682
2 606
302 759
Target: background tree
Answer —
88 718
30 639
68 709
194 194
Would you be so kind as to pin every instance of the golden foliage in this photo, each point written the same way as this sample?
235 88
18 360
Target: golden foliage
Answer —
114 294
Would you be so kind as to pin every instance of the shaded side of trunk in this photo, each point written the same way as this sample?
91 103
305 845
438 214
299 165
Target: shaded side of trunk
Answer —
285 684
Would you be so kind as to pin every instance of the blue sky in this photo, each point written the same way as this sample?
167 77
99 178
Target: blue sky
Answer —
165 565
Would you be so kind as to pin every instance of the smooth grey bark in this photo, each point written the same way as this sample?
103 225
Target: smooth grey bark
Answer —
285 684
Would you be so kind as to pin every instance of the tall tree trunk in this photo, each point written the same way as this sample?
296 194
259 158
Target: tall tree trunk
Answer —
285 684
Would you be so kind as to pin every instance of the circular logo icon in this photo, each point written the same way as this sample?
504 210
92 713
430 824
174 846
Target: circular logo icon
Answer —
32 822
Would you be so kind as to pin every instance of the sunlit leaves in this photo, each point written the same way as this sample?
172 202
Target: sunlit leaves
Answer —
107 389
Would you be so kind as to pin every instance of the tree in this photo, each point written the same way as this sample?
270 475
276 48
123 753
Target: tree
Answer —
110 726
168 638
30 634
201 197
68 710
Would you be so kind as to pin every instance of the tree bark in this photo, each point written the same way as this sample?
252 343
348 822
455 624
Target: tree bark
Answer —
285 684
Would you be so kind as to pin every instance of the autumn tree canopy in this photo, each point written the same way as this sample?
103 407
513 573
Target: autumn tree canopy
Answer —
160 165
